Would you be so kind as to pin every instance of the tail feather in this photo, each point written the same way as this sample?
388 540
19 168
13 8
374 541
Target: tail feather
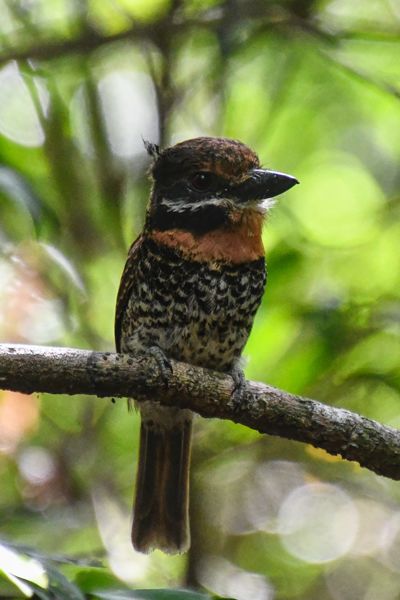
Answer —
161 511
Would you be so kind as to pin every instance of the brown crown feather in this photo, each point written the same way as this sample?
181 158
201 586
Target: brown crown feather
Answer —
222 156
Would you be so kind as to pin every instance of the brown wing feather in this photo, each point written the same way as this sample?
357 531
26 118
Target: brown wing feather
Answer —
125 288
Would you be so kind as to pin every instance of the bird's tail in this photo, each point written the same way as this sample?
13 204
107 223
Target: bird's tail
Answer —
161 510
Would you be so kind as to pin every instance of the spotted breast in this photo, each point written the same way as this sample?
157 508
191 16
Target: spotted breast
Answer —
190 289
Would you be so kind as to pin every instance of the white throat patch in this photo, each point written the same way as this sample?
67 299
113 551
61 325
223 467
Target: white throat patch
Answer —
180 205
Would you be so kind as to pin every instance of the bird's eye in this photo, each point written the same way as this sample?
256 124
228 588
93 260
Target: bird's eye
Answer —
201 181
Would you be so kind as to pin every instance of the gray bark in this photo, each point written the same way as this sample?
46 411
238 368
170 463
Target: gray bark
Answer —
209 393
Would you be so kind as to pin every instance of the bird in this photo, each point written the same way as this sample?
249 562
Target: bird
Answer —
192 283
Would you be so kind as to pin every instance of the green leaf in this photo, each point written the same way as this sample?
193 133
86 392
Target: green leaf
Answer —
39 592
22 571
60 587
30 575
93 579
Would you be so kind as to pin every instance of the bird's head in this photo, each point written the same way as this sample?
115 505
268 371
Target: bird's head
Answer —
204 183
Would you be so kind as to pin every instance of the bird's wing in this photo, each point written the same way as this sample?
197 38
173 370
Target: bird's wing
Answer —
125 288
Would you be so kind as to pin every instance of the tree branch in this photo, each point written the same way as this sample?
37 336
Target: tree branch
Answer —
263 408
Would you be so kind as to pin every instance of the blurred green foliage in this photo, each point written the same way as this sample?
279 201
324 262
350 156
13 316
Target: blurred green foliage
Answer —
314 87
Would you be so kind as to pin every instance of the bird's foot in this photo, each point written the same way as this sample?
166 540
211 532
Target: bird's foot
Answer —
239 380
163 363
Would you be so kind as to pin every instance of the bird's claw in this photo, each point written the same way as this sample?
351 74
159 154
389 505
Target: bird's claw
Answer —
239 380
162 361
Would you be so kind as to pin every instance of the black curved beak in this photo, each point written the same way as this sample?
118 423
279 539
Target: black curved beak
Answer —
262 184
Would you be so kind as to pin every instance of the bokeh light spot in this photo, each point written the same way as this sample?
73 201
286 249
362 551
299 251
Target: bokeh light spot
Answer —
130 111
36 465
228 580
273 482
18 118
318 523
